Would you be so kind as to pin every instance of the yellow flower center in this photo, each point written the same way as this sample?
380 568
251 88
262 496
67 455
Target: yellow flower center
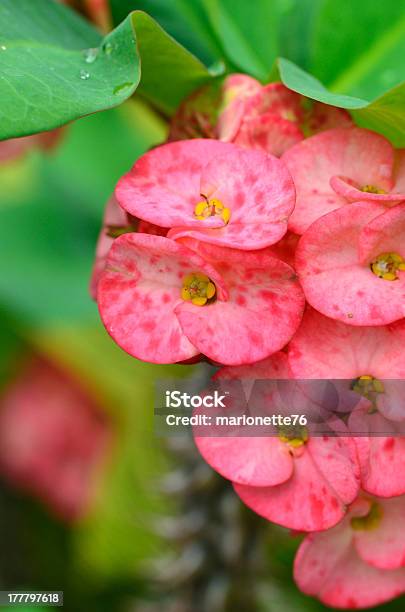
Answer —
198 289
293 435
370 521
210 208
372 189
368 386
387 265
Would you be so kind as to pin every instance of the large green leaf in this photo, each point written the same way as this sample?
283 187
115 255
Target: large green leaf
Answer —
358 47
248 31
185 20
55 67
386 114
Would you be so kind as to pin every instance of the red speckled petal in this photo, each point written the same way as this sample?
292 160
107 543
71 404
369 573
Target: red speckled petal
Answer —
384 547
264 309
113 215
328 567
260 193
139 290
381 457
285 248
324 117
361 155
323 348
163 187
269 133
333 279
325 480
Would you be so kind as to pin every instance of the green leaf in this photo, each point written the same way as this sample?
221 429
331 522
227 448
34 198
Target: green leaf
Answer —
385 115
55 67
248 31
358 47
185 20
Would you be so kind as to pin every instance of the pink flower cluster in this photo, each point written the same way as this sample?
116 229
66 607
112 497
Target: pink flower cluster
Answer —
279 267
53 439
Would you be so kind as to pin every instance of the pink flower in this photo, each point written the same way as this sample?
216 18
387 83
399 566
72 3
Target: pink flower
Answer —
360 562
115 223
163 302
340 166
351 264
15 148
294 479
212 191
53 438
370 359
272 118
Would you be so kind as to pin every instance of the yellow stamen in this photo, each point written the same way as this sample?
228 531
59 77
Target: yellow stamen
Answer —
368 387
294 436
387 265
372 189
211 208
198 289
370 521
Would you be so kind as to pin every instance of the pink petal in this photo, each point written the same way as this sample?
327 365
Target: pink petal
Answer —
260 193
351 191
384 546
255 461
333 279
237 88
163 186
113 216
399 186
324 117
381 457
361 155
269 133
324 348
139 291
263 311
327 566
324 482
385 233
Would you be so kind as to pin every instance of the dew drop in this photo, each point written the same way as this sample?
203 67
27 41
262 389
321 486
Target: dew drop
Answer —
108 48
90 55
121 88
3 48
84 75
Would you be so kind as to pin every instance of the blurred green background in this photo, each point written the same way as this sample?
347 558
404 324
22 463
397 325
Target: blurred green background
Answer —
51 207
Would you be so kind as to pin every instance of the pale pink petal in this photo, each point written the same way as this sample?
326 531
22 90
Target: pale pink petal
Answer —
352 192
385 233
333 279
324 348
263 311
358 154
237 88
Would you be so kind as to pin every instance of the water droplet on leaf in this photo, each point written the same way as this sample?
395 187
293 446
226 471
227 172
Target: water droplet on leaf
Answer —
84 75
90 55
121 88
3 48
108 48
